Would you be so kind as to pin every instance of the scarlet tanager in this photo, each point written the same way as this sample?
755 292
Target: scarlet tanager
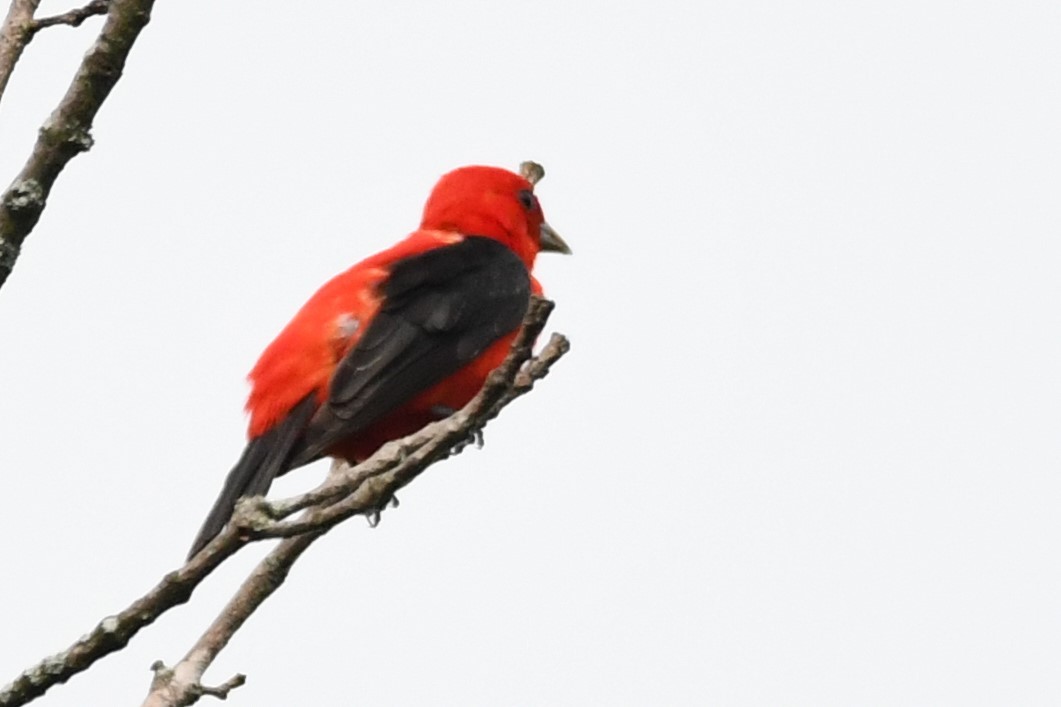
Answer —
382 348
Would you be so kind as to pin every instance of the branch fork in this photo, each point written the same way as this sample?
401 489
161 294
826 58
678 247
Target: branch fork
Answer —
365 489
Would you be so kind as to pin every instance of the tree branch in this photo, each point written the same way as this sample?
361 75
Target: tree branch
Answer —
181 685
365 489
15 34
74 17
67 131
114 632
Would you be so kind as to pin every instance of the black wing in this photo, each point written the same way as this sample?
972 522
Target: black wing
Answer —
440 310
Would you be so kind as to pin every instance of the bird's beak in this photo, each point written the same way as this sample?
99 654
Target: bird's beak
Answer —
552 242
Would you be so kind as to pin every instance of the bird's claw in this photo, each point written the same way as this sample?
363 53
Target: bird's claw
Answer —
441 412
375 515
475 437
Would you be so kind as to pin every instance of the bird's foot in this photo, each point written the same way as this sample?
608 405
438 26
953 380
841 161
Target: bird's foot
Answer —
441 412
375 515
474 437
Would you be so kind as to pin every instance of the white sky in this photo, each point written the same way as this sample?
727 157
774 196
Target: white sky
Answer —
804 451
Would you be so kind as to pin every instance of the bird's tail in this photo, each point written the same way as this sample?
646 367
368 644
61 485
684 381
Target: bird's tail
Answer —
264 458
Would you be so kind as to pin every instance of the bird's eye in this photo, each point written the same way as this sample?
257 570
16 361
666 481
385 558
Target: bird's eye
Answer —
526 197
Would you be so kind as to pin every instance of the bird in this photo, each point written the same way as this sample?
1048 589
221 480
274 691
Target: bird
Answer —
398 339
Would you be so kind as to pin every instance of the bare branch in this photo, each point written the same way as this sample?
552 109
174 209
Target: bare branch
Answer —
15 34
74 17
114 632
67 131
222 690
180 686
366 488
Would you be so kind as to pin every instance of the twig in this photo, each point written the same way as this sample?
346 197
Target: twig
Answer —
382 474
67 131
180 686
222 690
532 171
164 677
20 26
74 17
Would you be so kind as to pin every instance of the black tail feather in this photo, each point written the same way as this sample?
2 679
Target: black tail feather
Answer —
263 459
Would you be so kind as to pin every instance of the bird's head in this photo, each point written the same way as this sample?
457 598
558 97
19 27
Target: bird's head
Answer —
492 202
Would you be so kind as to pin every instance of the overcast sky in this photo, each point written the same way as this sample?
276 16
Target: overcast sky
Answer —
805 449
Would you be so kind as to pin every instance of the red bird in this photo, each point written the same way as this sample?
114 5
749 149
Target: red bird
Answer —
382 348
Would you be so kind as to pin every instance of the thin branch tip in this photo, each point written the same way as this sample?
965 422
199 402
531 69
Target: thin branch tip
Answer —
532 171
222 690
72 18
67 131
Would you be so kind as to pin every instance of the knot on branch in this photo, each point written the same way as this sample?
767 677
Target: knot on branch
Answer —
25 195
254 515
74 137
80 138
167 687
163 674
